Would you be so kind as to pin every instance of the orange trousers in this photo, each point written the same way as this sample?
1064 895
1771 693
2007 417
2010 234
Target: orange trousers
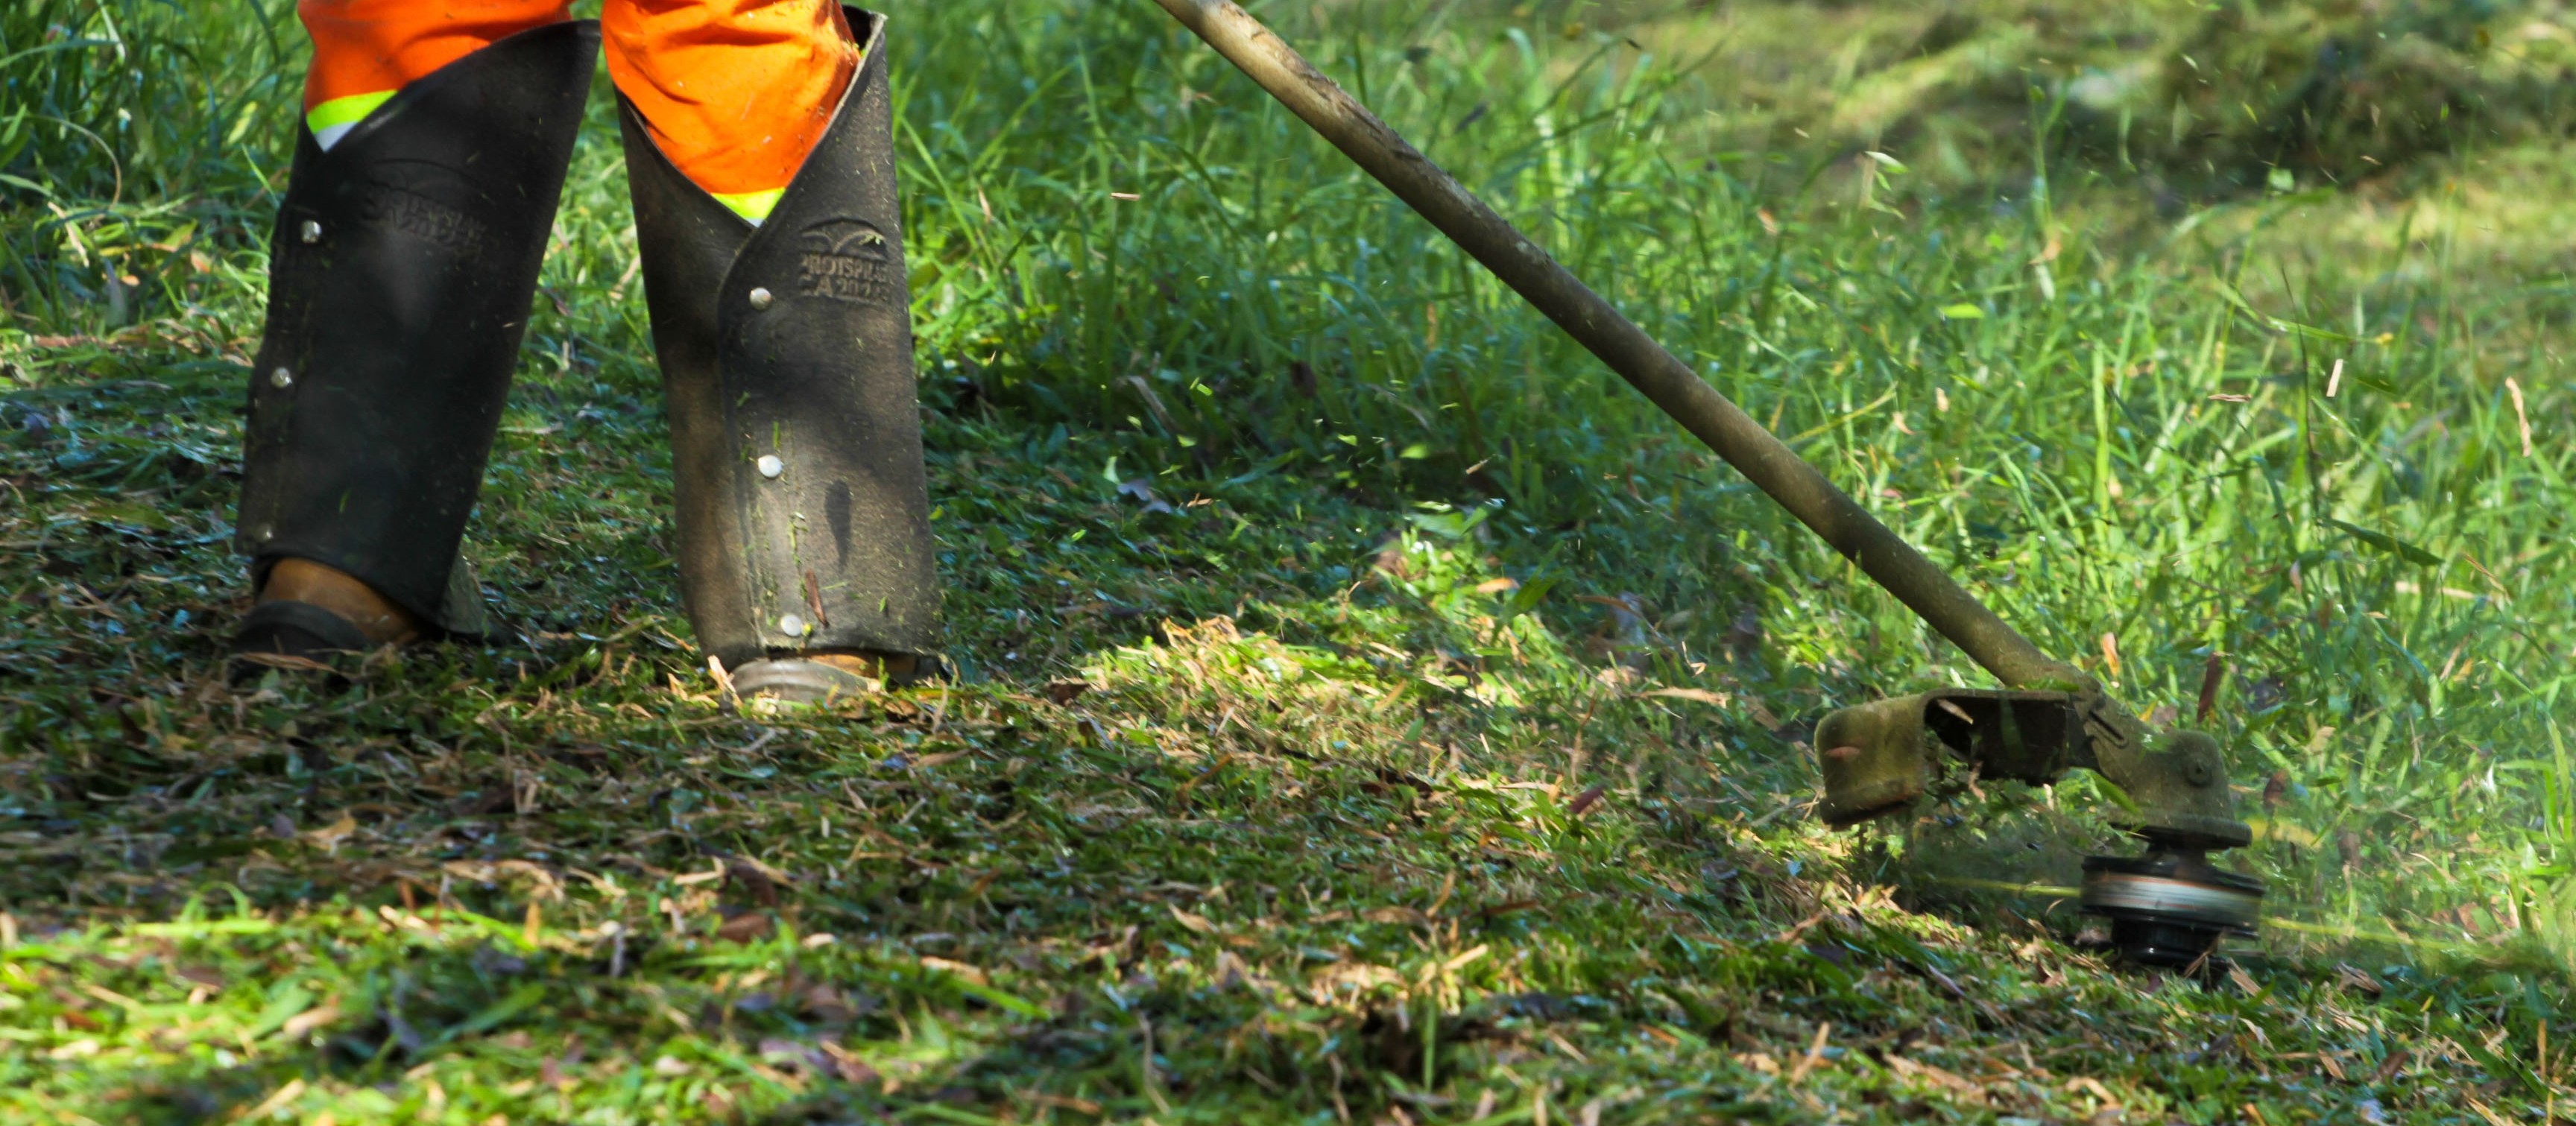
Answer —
736 92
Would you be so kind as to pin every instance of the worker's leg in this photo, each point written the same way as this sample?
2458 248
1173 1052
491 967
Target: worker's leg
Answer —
401 271
366 50
780 314
734 93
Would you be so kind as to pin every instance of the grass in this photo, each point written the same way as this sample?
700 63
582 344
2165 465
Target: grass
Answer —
1373 713
2187 100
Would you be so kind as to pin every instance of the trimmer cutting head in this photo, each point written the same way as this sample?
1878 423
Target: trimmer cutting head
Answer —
2171 907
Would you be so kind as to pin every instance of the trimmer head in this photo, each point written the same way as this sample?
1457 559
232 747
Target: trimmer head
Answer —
2171 907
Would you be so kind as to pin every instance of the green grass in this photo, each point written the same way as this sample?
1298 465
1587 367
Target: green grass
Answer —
2186 99
1267 803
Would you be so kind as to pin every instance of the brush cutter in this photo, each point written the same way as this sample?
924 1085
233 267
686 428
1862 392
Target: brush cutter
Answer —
2168 907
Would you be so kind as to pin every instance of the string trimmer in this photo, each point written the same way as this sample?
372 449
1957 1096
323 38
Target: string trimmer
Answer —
2167 907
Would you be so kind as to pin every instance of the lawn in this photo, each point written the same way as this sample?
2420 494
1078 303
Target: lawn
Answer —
1370 711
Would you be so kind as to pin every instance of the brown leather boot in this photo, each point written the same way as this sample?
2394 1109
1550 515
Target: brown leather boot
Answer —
308 614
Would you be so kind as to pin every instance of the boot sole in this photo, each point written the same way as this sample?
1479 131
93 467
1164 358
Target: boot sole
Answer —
292 637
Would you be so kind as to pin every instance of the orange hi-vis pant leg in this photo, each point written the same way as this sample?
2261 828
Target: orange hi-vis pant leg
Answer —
736 92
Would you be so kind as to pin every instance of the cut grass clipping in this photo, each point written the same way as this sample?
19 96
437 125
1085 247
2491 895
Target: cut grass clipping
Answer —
1372 713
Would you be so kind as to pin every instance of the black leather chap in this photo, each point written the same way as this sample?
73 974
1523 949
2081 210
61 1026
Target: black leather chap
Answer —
401 272
786 353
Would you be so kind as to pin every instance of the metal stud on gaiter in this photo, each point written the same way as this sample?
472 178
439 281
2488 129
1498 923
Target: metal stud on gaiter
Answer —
400 275
786 353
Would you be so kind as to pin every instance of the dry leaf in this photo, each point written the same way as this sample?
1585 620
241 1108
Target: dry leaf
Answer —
1324 983
961 969
750 926
792 1054
849 1066
1815 1053
308 1020
2354 978
284 1097
1938 1077
201 976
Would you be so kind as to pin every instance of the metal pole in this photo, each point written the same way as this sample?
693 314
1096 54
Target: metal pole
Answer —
1665 380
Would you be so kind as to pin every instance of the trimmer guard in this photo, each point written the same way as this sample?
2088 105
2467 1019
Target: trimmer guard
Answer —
1880 758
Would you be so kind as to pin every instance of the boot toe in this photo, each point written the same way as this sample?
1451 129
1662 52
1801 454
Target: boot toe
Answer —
793 681
297 636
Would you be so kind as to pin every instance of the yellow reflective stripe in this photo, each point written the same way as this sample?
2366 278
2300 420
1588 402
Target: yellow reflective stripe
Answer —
754 206
344 112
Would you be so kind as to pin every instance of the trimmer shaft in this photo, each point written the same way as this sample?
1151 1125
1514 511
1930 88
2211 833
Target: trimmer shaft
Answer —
2171 907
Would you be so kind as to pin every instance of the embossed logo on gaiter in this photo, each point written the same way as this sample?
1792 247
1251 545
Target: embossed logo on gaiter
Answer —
847 260
391 208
